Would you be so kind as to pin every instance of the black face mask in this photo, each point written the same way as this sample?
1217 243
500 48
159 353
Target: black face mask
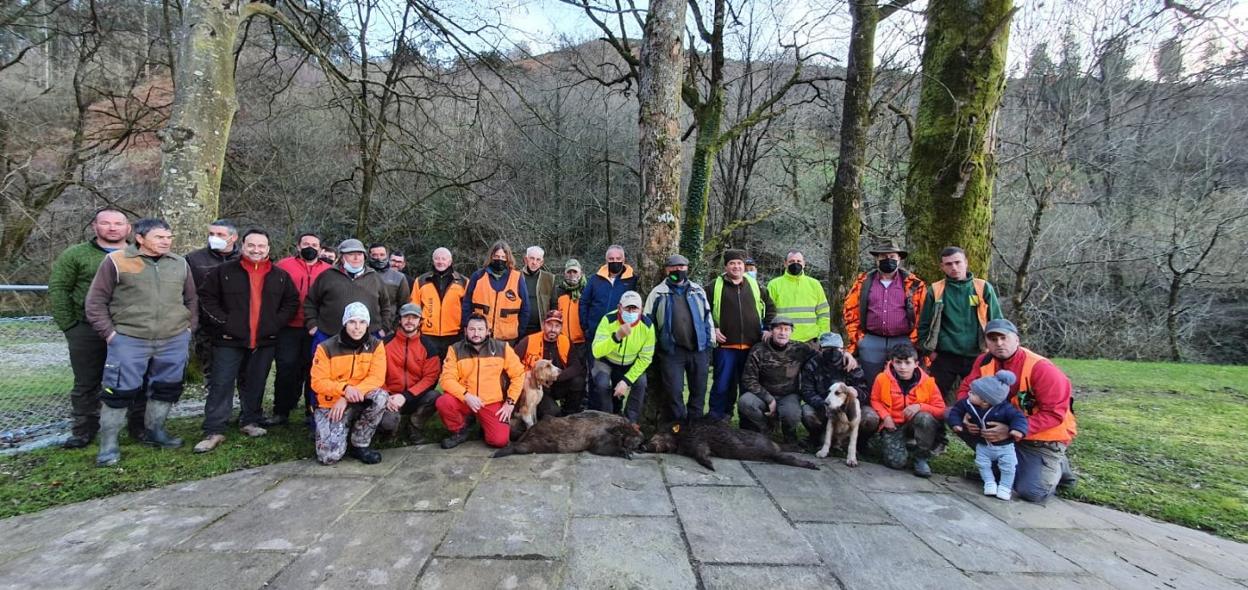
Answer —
888 265
379 265
327 260
309 253
615 268
795 268
498 265
678 276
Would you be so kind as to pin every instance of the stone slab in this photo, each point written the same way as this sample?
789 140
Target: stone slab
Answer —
1055 514
738 525
1223 556
368 550
207 571
969 538
817 496
854 554
485 574
785 577
683 471
288 517
1126 561
104 549
349 467
1039 582
472 448
620 487
627 552
511 519
21 533
229 490
872 477
557 468
425 483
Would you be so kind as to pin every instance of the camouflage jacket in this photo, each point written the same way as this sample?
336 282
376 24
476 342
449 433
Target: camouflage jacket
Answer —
773 372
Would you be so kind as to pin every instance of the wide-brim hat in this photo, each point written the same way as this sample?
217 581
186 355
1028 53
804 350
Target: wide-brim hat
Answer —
888 247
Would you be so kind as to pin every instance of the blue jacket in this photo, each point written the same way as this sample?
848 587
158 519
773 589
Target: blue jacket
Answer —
601 297
1004 412
659 308
498 283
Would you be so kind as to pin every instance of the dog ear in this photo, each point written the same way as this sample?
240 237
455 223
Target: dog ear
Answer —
851 408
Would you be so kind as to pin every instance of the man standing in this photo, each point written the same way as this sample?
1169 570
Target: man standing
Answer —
1043 393
540 285
399 262
742 313
684 333
603 290
411 375
71 278
482 377
350 281
142 303
294 343
440 294
222 247
951 328
567 300
397 289
247 301
553 345
623 349
882 309
770 381
801 299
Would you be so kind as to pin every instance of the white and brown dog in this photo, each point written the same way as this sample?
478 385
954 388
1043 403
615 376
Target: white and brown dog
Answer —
843 413
543 374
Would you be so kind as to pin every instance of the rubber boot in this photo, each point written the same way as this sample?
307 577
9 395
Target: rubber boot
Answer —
154 423
111 422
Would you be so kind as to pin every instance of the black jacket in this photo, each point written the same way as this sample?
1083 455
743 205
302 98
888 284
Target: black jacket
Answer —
824 369
225 298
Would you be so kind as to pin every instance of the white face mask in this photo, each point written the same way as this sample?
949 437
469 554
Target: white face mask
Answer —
215 243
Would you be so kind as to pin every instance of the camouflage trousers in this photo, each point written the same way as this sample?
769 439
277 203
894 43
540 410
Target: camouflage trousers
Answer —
921 437
361 418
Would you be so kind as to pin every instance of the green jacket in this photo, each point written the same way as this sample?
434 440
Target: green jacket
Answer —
959 331
71 278
634 352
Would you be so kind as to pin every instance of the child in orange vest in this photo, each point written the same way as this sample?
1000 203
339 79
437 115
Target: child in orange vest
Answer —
911 411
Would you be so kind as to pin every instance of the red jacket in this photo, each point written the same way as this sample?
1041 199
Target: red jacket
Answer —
1050 419
888 400
303 277
409 366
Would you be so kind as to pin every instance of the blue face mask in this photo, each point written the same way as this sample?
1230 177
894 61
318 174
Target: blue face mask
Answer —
753 274
352 269
629 316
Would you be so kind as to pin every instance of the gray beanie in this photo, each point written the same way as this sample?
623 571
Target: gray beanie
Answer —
995 388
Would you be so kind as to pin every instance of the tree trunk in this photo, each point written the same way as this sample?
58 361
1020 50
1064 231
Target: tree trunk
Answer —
697 199
846 191
1172 315
194 141
949 185
659 130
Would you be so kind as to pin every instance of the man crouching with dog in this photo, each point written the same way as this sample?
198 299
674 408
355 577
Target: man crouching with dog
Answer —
481 377
553 345
820 373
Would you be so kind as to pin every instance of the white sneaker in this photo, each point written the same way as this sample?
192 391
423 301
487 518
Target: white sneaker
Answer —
1003 493
209 443
253 430
990 488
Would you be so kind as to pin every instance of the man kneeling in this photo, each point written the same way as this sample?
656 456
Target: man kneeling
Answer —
412 371
348 372
481 377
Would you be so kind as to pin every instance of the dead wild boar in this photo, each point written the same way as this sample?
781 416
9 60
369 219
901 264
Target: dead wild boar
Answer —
705 438
599 433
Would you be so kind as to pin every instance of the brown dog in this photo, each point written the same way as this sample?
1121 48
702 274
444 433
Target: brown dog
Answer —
841 408
543 374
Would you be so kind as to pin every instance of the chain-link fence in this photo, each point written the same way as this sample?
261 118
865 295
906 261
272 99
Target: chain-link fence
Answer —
35 375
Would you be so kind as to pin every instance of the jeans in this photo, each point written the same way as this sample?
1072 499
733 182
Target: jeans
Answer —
1003 456
729 363
675 367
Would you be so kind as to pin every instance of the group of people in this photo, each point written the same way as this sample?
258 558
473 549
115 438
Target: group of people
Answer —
367 347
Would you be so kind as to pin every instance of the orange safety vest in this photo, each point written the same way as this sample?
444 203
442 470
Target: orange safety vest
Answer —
442 315
533 347
1063 432
571 311
501 309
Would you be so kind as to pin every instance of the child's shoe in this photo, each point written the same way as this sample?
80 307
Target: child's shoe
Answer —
990 488
1003 493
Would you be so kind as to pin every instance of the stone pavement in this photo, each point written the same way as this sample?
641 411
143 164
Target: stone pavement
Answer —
427 518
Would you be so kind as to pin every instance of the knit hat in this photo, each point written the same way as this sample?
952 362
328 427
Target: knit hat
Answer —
355 310
730 255
993 389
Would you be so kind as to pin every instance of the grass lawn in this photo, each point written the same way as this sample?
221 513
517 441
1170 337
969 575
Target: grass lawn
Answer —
1156 439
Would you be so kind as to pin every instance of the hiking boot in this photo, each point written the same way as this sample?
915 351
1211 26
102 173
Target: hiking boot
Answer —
209 443
111 421
154 426
455 439
274 420
76 442
416 425
252 430
921 468
366 455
